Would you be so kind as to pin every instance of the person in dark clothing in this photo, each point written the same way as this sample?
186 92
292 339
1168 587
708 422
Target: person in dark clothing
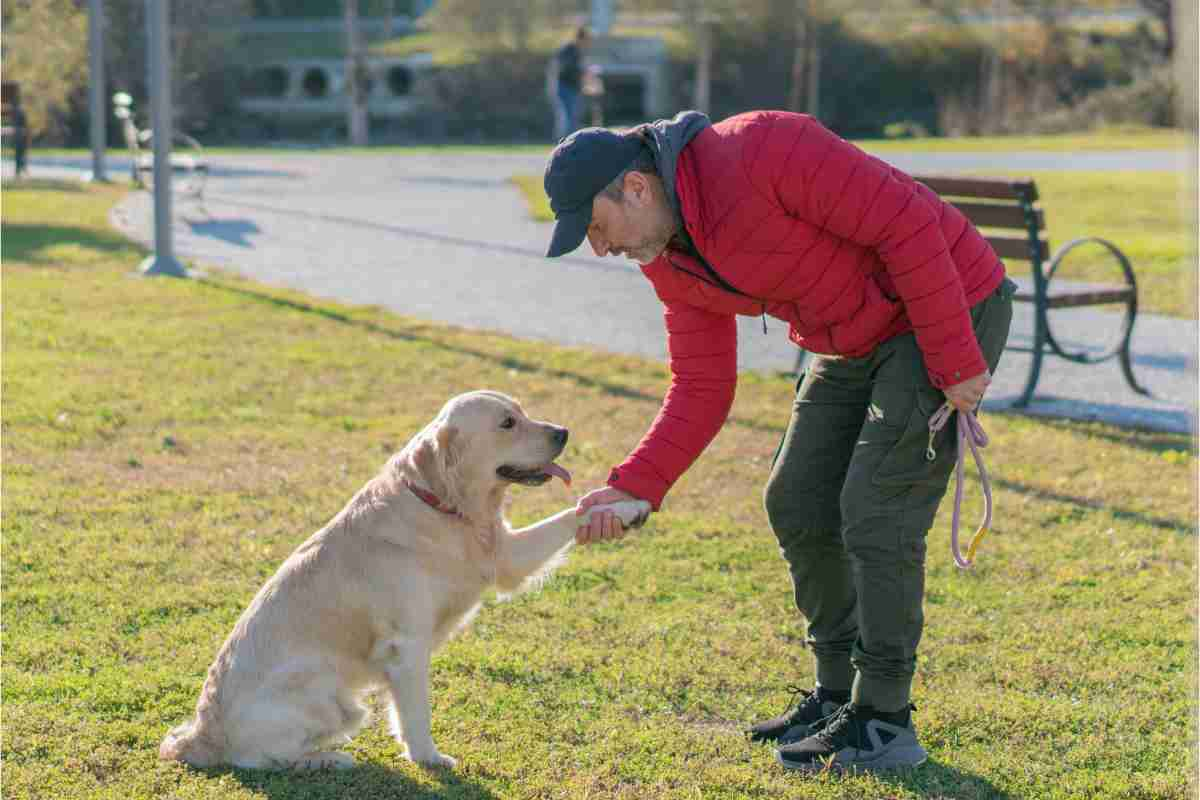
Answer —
20 128
569 68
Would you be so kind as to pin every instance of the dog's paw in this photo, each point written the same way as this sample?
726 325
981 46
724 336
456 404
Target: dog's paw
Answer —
434 759
632 513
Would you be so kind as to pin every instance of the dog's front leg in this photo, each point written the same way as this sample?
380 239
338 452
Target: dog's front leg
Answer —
525 551
407 670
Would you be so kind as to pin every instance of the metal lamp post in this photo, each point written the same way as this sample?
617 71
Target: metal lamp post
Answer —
96 94
162 261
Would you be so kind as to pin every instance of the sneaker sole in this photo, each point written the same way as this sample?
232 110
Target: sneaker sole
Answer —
897 758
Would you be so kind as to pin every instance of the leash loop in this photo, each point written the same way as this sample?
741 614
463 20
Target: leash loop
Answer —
970 434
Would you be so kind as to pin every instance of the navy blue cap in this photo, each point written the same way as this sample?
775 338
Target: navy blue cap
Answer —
580 166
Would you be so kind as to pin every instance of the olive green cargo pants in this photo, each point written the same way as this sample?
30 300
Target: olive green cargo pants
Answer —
851 497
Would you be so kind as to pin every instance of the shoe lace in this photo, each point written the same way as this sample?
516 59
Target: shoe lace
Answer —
839 728
800 696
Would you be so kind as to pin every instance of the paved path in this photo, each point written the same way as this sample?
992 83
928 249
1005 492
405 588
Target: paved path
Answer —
447 238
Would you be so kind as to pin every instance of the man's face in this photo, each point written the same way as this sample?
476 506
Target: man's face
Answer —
635 227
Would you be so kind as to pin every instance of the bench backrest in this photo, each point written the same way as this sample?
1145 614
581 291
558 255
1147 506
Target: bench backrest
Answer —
1004 205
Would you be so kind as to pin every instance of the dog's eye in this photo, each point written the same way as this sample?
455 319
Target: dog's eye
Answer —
508 422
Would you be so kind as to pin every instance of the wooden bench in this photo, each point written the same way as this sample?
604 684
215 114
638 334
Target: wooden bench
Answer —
1006 210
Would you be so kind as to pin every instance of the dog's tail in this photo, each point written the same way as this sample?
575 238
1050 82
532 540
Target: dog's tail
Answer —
189 743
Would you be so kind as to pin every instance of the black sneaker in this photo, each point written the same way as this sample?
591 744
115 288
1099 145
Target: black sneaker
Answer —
794 724
857 739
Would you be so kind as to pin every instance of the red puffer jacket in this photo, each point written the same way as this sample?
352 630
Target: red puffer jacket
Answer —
844 248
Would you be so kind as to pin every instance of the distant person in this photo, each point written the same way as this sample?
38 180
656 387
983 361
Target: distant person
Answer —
20 128
905 307
568 84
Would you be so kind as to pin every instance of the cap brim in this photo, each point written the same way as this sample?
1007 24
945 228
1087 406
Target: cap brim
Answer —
569 232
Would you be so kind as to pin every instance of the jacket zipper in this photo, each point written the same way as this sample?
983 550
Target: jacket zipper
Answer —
719 282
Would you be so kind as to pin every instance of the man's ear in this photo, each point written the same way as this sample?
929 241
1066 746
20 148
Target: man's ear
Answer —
636 187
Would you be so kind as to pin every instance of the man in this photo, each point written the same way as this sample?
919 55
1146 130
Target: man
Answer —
905 305
569 75
20 133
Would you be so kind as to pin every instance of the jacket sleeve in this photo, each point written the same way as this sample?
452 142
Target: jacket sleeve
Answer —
830 183
702 347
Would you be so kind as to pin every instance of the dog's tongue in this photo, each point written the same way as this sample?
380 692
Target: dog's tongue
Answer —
557 471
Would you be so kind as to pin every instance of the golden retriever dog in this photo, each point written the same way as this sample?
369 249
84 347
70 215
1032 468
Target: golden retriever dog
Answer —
363 603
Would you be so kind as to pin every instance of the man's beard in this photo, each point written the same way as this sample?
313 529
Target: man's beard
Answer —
651 247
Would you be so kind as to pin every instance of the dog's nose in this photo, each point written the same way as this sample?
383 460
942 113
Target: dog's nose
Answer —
560 436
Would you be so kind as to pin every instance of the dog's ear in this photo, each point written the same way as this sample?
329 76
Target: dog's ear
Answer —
448 455
448 444
424 460
436 457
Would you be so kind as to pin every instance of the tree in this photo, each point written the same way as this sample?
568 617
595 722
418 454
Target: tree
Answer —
203 48
489 24
1164 12
45 51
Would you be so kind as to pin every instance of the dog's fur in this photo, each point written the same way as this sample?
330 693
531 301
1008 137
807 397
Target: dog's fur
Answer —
365 600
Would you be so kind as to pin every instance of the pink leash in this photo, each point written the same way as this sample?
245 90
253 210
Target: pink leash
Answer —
971 433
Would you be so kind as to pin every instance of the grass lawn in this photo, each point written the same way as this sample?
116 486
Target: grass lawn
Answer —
1137 211
166 443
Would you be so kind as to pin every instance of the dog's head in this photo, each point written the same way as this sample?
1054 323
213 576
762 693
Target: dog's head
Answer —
483 441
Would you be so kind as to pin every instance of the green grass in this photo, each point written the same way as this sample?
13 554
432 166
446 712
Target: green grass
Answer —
1115 138
1138 211
168 442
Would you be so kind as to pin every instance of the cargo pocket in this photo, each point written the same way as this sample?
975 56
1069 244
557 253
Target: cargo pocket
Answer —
906 462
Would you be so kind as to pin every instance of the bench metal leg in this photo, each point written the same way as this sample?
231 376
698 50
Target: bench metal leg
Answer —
1038 351
1127 368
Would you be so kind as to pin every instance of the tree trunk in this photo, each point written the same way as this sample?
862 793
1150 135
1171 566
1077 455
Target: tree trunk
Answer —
356 77
814 59
704 35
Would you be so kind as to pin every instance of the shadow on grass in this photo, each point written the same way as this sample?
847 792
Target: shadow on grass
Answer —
1145 439
28 243
42 184
936 780
508 362
1163 523
361 781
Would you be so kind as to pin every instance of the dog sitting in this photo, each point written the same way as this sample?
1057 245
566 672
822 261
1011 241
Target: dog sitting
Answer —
364 601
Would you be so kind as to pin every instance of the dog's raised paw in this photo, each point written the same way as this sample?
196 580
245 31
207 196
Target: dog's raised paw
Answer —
632 513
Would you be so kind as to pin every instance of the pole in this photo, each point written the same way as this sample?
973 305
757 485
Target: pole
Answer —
357 123
98 129
601 17
162 261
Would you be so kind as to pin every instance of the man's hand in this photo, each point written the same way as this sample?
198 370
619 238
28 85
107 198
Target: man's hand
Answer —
605 526
967 395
